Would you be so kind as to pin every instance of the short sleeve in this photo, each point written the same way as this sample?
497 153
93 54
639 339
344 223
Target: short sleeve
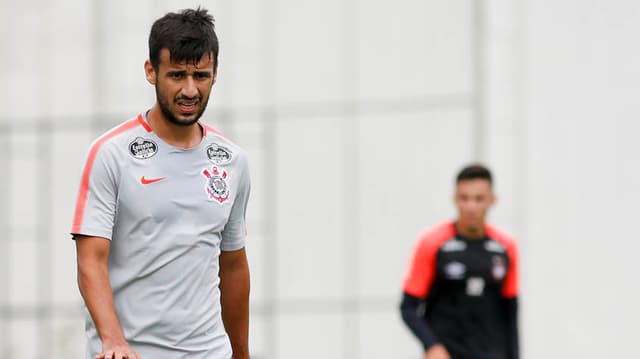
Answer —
96 203
422 268
510 286
235 230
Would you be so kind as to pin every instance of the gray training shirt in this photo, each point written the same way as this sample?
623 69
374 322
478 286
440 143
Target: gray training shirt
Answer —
168 213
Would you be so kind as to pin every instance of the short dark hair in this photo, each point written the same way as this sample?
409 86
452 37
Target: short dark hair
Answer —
474 171
188 35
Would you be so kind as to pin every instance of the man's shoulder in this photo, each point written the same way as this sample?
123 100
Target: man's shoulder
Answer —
437 233
121 134
222 149
500 235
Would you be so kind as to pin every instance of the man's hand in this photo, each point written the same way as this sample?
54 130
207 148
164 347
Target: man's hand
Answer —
120 350
437 351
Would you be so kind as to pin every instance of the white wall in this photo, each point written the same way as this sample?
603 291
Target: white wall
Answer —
356 115
563 86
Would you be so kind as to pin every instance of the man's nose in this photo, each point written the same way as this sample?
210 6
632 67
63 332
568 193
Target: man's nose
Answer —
189 89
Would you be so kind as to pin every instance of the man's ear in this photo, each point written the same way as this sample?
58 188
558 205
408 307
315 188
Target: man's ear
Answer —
150 72
215 76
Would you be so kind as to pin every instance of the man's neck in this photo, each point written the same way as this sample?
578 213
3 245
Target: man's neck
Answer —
471 232
175 135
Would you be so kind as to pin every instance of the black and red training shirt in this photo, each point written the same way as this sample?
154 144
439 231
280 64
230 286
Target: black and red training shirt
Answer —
468 290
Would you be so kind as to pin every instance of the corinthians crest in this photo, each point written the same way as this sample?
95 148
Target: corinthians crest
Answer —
499 269
216 187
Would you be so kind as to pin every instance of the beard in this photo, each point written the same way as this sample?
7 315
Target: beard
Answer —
171 117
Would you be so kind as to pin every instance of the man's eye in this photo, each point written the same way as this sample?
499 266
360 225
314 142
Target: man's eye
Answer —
201 76
175 75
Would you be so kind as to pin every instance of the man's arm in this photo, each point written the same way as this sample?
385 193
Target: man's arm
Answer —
234 293
511 307
409 309
93 281
510 292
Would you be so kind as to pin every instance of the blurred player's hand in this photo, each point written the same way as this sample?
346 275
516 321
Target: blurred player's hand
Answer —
117 351
437 351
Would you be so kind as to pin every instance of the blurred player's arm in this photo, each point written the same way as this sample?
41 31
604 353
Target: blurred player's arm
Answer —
93 281
417 284
511 306
234 293
510 292
410 308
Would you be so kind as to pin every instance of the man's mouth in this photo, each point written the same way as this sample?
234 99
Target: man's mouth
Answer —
187 106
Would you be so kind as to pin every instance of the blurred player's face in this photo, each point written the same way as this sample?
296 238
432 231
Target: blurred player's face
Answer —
473 198
182 89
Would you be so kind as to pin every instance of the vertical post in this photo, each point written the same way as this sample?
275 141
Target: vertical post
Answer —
43 238
99 72
44 263
269 137
478 38
350 190
5 187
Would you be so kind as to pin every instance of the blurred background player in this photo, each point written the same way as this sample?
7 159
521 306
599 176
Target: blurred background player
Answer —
160 217
461 288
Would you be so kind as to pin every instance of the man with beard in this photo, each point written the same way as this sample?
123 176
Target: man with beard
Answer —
159 225
460 292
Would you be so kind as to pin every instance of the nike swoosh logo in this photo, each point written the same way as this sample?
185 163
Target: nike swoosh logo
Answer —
150 180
